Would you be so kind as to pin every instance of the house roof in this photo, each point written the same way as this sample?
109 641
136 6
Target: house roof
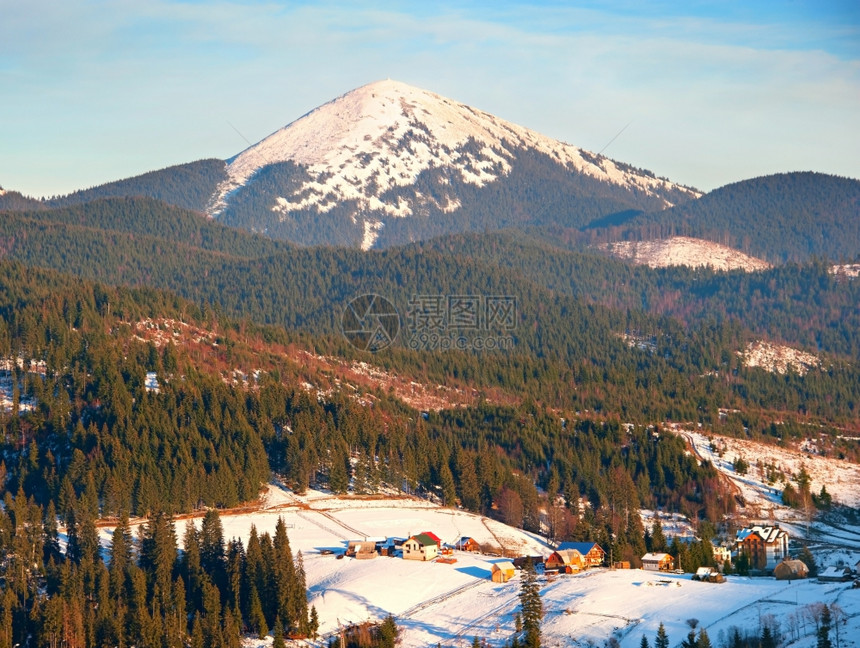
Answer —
834 571
423 539
657 557
768 534
433 536
568 556
505 566
581 547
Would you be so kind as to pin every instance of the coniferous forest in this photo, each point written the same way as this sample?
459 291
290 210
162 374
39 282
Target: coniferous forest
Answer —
569 421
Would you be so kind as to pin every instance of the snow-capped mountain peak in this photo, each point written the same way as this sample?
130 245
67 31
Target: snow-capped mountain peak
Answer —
382 136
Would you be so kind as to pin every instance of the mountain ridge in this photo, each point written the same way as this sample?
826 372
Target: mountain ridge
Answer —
372 144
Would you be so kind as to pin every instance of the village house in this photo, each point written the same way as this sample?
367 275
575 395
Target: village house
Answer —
658 562
765 546
592 554
722 555
420 547
565 560
502 572
468 544
834 574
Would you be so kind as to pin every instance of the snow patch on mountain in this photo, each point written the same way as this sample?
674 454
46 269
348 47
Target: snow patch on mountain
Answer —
685 251
383 135
371 233
847 270
778 358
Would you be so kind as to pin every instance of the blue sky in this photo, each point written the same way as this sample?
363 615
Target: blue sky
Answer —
713 92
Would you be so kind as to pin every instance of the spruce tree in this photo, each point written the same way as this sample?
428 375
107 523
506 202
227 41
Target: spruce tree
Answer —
532 606
767 639
662 640
278 636
388 633
823 634
644 643
808 559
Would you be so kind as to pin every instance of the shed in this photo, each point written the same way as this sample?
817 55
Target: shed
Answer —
502 572
703 573
566 560
658 562
835 575
520 561
361 549
790 570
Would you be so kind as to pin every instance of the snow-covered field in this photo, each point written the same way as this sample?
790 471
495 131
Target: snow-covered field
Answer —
686 251
449 604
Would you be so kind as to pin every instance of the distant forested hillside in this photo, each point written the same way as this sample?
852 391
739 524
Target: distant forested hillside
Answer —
802 304
188 185
568 347
781 218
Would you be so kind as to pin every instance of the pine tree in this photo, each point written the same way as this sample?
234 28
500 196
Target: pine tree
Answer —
704 640
256 618
278 636
662 640
531 605
767 639
388 633
823 634
658 540
808 559
314 625
644 643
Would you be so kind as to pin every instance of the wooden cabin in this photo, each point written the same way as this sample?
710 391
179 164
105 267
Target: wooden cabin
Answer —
592 553
658 562
502 572
565 560
468 544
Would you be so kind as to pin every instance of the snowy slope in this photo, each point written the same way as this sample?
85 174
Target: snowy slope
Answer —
778 358
686 251
383 135
449 604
